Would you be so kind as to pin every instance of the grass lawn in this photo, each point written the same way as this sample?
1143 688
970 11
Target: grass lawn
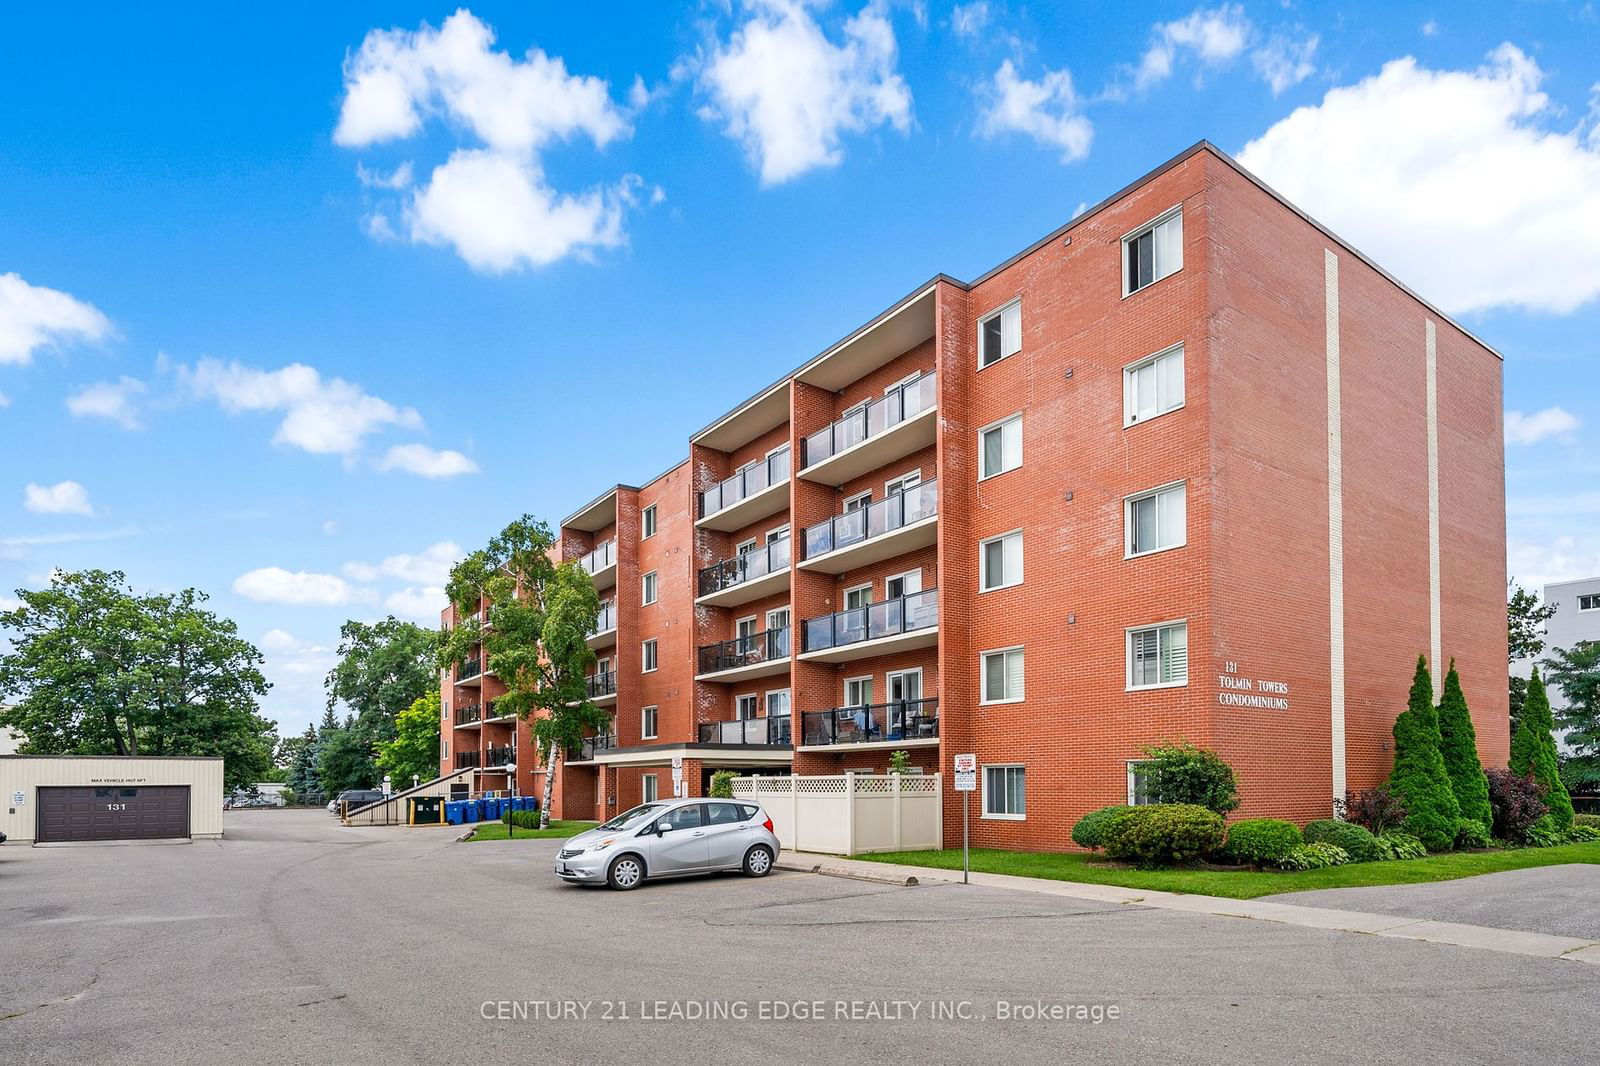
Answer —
558 830
1245 884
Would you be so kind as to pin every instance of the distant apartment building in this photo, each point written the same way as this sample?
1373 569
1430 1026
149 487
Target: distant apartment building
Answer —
1577 619
1190 467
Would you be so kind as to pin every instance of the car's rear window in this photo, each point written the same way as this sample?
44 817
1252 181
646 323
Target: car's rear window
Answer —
750 810
724 813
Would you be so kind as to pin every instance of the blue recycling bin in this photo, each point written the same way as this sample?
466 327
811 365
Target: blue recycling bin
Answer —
452 812
524 803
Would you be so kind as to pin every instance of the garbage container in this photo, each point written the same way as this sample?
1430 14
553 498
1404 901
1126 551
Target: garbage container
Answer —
452 812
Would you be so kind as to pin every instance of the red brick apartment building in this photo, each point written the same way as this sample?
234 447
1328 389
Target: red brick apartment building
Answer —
1189 467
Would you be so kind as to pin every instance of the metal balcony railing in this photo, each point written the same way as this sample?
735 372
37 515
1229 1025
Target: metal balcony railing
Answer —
465 759
597 685
747 482
904 614
469 669
773 730
900 720
500 755
745 651
606 619
907 401
885 516
472 712
603 556
591 746
746 566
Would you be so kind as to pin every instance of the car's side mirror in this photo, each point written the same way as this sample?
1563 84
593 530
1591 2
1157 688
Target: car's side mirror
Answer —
661 829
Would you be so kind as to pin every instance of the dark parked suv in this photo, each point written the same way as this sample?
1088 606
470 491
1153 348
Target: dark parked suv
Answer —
350 799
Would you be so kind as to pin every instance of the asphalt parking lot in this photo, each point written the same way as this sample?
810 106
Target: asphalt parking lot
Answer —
297 940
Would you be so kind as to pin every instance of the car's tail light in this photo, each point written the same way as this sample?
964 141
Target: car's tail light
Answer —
767 825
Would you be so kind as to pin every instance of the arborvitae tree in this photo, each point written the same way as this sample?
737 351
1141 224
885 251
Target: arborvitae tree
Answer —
1419 777
1533 752
1458 743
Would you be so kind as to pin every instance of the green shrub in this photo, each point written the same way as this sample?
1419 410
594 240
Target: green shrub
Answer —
1583 834
1533 752
1090 830
1419 779
1356 842
521 819
1262 841
1163 834
1185 774
1315 857
1586 819
1471 834
1402 846
1542 834
1458 745
722 784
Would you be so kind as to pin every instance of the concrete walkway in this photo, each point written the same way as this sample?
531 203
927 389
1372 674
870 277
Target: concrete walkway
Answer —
1480 937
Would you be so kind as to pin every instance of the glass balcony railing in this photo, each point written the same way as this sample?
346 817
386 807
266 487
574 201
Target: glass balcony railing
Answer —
746 483
598 685
746 566
603 556
890 618
591 746
907 401
864 523
605 620
864 724
752 650
771 731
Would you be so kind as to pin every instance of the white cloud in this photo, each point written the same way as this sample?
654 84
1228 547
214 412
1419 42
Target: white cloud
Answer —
32 316
274 584
5 401
320 415
1215 37
492 204
1284 62
330 527
424 461
431 566
64 497
1531 429
969 20
113 400
1430 28
418 602
787 93
1048 110
1563 558
9 603
1448 179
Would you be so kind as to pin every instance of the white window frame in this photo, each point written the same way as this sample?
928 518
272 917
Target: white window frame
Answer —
1007 350
649 589
890 675
863 499
766 702
983 780
1127 640
647 523
1133 791
1128 503
739 634
778 533
649 722
999 426
1130 416
1133 235
647 651
650 784
901 577
755 706
908 379
915 475
844 597
983 561
1592 597
983 676
844 691
745 547
784 610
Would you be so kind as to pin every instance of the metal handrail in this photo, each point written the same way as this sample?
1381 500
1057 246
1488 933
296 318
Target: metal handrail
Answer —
746 566
903 614
500 755
907 401
464 759
747 482
472 712
887 515
869 722
602 684
772 730
469 669
760 647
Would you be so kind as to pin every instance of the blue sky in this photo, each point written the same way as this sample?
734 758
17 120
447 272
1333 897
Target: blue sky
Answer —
295 307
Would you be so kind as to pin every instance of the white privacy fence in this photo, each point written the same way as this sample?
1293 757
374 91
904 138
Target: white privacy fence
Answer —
849 814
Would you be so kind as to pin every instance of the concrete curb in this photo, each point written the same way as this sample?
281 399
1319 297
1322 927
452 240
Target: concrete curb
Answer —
1477 937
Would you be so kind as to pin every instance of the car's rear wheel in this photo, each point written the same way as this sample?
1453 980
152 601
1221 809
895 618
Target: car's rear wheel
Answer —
626 872
757 861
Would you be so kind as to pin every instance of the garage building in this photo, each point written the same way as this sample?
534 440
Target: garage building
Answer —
49 799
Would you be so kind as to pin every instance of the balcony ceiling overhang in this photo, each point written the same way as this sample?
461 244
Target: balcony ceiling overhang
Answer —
896 332
597 515
766 412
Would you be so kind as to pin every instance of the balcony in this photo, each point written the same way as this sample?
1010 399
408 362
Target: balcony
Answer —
604 632
470 672
755 492
471 714
500 755
601 688
465 759
601 564
771 732
747 576
871 436
877 629
757 655
593 746
902 723
893 526
491 714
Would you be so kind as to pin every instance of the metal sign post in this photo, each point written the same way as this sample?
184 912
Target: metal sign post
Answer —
966 783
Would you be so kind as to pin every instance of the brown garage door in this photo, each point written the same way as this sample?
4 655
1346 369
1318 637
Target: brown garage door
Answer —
123 812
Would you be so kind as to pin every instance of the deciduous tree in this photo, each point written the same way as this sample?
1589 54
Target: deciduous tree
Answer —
414 752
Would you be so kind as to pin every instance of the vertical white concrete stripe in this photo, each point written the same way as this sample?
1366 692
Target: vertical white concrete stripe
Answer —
1436 640
1335 527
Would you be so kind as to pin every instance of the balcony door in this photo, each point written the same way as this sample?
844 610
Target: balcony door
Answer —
904 693
906 584
778 633
745 633
857 719
745 708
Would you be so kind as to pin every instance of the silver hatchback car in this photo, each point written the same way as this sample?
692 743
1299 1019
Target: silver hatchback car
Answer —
671 838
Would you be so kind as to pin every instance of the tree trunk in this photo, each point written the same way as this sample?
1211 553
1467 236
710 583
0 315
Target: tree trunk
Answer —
550 757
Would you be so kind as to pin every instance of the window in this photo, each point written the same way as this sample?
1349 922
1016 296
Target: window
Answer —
745 707
906 584
724 813
1158 656
781 533
902 483
1002 676
1000 334
649 719
648 595
649 656
1000 561
444 709
1156 520
778 703
745 547
855 503
1152 386
444 749
857 691
1153 252
857 597
647 523
1000 447
652 790
1591 602
1138 790
1003 792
